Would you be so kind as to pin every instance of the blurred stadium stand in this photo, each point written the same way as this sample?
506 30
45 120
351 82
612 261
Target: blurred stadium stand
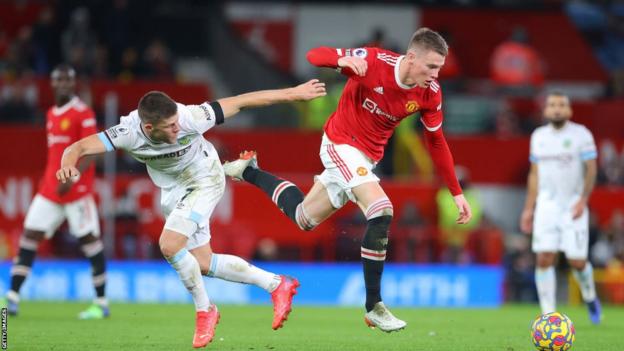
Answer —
197 51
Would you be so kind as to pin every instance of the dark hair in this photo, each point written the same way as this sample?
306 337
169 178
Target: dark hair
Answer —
155 106
429 40
557 93
63 67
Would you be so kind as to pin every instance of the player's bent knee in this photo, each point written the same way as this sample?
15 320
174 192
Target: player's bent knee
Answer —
579 265
387 212
175 235
204 261
545 259
379 208
376 236
34 235
87 239
304 221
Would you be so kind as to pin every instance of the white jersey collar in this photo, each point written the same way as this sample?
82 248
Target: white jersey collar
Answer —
59 110
396 74
565 127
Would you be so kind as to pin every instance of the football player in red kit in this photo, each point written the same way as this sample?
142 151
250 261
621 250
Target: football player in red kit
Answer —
69 120
383 88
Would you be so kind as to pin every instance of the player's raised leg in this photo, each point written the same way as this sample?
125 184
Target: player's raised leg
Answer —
173 247
546 280
583 272
306 212
235 269
378 211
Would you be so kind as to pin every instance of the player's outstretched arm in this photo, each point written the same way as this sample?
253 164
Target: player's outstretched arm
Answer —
91 145
303 92
443 160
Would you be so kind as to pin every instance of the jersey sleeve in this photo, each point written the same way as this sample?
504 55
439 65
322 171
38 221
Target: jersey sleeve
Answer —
117 137
328 57
88 124
202 117
588 146
431 115
442 159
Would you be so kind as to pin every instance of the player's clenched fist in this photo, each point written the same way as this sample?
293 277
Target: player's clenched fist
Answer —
67 173
357 64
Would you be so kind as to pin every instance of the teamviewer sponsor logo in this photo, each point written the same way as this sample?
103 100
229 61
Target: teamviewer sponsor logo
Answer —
369 105
372 107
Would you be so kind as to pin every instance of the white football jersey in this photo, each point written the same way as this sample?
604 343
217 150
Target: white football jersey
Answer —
170 164
560 155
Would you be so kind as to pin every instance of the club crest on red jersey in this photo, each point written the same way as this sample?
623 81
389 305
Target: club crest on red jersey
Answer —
65 123
411 106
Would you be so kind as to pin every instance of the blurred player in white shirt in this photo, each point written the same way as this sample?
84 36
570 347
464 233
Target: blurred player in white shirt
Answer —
563 173
168 138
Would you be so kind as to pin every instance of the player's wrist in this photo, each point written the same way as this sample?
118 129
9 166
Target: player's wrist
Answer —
340 61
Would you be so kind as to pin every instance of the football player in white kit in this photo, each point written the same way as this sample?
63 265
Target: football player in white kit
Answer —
563 172
167 137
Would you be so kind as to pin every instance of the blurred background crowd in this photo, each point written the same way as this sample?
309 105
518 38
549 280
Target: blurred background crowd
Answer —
504 56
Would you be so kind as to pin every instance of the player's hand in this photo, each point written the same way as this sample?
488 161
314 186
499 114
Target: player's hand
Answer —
309 90
68 173
465 213
357 64
579 208
526 221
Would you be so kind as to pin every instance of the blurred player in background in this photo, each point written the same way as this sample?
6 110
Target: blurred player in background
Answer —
563 172
168 138
66 122
383 88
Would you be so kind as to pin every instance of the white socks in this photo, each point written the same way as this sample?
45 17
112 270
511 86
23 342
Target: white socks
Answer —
235 269
101 301
546 283
585 279
188 269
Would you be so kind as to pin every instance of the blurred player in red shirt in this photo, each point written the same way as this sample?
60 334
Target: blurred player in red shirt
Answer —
383 88
69 120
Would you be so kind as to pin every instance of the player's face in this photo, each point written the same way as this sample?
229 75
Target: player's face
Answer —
557 109
166 130
423 67
63 84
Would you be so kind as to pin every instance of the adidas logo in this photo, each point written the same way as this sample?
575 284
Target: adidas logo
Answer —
379 90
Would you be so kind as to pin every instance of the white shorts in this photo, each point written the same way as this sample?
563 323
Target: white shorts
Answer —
554 230
345 168
46 216
194 202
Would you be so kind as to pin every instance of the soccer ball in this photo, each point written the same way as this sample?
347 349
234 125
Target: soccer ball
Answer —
552 332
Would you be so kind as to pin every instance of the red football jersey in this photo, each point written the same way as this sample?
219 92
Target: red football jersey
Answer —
64 126
372 106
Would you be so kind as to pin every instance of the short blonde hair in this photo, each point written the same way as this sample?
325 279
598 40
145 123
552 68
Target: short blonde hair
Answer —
428 40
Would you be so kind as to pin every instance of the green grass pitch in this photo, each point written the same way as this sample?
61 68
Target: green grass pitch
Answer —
53 326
